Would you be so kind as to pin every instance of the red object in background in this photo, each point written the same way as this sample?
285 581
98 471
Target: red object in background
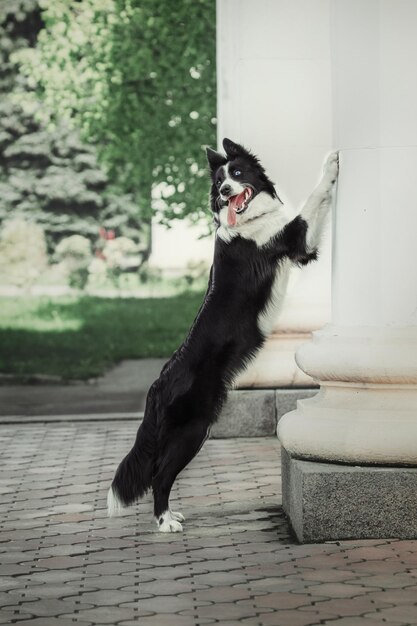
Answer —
106 234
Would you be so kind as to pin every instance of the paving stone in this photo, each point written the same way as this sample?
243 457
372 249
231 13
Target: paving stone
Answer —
279 584
294 618
385 581
107 615
13 569
325 575
361 621
107 597
168 587
50 607
169 620
47 591
218 594
167 604
339 590
286 600
236 562
7 583
221 578
160 560
52 576
165 573
369 553
226 611
63 562
395 596
126 580
387 567
278 570
108 568
350 606
404 613
43 621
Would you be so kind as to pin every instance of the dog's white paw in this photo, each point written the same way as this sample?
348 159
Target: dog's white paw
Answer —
170 526
177 516
331 169
167 523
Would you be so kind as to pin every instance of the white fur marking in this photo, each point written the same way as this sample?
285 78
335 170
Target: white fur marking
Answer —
169 524
114 505
235 186
268 317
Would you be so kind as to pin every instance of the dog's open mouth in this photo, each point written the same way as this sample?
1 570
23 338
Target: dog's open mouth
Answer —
238 204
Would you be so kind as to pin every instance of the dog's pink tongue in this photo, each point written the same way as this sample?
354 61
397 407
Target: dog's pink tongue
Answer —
234 203
231 214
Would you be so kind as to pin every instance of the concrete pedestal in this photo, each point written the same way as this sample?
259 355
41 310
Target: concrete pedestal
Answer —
365 414
327 502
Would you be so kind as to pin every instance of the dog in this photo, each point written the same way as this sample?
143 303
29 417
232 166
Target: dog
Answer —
257 241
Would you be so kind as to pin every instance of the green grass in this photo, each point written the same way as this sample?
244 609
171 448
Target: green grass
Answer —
81 337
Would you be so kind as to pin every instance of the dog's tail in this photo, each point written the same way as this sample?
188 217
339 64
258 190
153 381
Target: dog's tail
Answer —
134 475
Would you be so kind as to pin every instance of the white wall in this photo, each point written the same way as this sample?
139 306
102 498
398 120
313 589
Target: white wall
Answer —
274 96
173 248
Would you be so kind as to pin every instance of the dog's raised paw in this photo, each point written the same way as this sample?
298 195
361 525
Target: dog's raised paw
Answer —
331 169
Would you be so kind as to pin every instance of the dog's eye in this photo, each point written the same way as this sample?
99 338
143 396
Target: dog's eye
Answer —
237 173
219 182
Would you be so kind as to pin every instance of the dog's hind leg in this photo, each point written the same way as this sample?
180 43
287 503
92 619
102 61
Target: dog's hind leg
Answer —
167 521
178 451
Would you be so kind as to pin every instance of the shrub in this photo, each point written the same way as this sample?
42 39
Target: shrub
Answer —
75 255
23 254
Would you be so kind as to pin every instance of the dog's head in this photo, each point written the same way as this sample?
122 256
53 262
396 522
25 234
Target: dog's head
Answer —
239 186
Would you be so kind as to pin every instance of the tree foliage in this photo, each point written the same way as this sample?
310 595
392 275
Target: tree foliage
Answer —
138 77
47 175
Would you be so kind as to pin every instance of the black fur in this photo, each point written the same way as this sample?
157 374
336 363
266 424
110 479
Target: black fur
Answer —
186 399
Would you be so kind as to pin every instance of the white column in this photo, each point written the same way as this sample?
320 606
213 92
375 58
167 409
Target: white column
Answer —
366 359
273 67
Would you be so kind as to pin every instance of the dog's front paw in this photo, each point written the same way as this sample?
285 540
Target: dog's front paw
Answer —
331 169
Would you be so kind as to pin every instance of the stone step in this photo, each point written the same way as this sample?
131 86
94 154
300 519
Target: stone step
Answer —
255 412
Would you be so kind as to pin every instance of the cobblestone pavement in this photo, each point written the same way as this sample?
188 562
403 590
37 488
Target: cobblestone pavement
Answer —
63 562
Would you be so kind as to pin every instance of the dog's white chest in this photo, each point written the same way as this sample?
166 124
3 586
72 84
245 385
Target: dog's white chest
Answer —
268 316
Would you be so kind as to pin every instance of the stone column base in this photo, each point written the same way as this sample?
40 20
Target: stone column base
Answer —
329 501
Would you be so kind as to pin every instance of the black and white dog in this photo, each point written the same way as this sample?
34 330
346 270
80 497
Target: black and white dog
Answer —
256 244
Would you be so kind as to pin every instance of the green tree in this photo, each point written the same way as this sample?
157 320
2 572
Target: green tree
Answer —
138 77
47 175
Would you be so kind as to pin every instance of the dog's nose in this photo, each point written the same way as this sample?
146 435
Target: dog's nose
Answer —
225 190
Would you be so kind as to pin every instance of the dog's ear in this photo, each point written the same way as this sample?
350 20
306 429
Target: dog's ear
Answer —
233 149
215 159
